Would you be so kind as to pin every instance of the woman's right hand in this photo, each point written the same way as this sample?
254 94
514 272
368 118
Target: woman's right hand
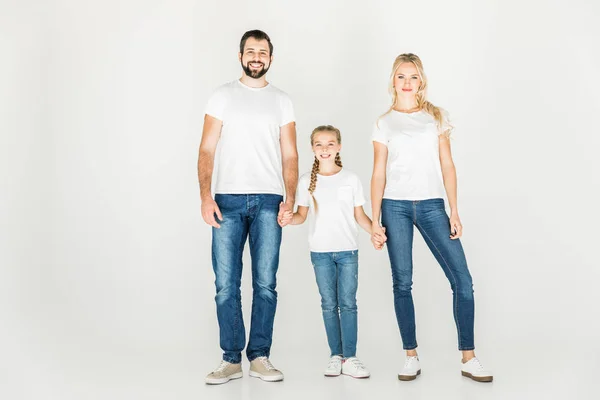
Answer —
378 237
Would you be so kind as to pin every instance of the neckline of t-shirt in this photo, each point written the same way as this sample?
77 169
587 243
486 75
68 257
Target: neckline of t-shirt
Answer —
408 113
331 176
253 88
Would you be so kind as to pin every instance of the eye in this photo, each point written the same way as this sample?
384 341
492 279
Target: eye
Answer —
415 77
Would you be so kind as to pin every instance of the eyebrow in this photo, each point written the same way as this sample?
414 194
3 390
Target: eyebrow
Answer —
252 48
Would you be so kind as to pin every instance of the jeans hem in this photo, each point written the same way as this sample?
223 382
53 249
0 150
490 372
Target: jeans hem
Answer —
410 348
232 360
466 348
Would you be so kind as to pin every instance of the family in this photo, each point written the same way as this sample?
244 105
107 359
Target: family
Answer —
256 187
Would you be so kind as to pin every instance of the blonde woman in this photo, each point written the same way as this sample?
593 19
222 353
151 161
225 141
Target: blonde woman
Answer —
335 197
412 174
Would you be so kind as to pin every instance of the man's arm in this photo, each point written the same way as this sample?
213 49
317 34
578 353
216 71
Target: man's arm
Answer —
210 137
289 159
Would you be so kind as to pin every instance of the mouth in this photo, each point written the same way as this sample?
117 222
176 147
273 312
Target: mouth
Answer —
255 65
407 90
325 156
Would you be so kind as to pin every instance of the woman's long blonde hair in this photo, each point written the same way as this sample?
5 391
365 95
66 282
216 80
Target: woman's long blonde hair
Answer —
315 167
422 103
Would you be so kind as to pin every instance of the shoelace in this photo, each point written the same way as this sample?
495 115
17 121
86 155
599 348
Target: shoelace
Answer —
357 363
224 364
334 363
477 363
409 360
265 361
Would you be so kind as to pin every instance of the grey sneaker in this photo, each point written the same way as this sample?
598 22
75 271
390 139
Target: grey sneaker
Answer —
262 368
224 373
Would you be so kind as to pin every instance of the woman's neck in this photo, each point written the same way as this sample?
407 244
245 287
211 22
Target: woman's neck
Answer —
329 168
405 104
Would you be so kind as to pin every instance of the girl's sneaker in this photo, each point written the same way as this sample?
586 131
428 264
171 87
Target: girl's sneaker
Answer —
474 369
354 368
411 369
334 368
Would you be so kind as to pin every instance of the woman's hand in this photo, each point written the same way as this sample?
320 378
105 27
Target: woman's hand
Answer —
378 237
455 226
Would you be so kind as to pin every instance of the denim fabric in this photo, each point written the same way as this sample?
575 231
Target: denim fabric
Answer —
254 216
337 278
430 218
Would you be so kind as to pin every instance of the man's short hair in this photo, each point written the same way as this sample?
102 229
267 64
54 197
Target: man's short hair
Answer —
258 35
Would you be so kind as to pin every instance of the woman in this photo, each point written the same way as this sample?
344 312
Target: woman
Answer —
413 171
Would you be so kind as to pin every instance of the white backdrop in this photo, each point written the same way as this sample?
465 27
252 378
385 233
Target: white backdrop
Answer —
106 284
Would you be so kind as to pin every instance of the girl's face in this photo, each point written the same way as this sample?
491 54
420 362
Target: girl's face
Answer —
407 80
325 146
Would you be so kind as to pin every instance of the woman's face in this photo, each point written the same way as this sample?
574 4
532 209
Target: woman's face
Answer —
407 80
325 146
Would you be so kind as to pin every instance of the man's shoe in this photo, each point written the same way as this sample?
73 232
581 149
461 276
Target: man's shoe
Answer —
474 369
411 369
262 368
225 372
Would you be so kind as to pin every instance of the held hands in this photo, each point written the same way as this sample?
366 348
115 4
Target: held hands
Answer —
455 226
209 209
285 215
378 237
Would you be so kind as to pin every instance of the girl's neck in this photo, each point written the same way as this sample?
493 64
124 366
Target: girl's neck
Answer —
330 168
404 104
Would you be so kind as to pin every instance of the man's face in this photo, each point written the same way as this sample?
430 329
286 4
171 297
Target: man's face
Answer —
256 59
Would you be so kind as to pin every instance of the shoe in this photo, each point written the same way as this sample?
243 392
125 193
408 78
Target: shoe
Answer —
225 372
474 370
411 369
262 368
354 368
334 368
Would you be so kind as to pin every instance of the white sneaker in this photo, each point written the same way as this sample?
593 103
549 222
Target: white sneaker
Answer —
334 368
354 368
411 369
474 369
224 373
262 368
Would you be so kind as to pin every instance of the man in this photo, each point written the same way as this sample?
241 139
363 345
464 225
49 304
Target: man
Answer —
257 162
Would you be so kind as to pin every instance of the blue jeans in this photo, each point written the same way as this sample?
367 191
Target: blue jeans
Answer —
429 216
337 278
244 215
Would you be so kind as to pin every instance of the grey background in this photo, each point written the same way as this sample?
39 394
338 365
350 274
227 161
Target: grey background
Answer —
106 286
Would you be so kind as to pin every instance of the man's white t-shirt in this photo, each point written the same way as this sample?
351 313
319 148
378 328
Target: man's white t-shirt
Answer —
332 227
413 169
249 154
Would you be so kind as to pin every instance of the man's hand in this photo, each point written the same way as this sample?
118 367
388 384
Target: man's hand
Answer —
285 210
209 209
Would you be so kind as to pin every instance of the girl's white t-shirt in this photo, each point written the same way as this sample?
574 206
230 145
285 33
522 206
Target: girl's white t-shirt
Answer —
332 227
413 170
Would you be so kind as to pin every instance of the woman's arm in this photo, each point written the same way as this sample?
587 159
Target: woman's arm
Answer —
449 174
378 180
299 216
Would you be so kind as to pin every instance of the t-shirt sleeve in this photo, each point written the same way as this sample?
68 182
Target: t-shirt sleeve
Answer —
287 110
359 195
302 195
216 104
446 127
379 135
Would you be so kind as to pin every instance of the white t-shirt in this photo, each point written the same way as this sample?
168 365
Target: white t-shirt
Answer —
413 169
249 154
333 226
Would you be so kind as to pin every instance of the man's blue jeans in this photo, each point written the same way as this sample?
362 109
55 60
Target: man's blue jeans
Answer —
429 216
337 278
254 216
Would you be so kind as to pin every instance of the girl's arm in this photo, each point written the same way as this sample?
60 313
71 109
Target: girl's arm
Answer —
300 215
449 174
363 220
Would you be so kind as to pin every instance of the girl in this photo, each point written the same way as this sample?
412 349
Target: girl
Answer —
335 197
413 171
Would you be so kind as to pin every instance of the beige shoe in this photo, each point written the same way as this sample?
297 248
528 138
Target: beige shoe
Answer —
224 373
262 368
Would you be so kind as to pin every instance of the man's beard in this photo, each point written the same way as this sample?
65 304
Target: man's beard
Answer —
254 74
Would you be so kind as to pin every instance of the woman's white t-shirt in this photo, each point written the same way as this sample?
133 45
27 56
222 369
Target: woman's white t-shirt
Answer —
413 169
332 227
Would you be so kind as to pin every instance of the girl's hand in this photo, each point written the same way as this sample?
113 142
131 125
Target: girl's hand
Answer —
378 237
455 227
286 218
